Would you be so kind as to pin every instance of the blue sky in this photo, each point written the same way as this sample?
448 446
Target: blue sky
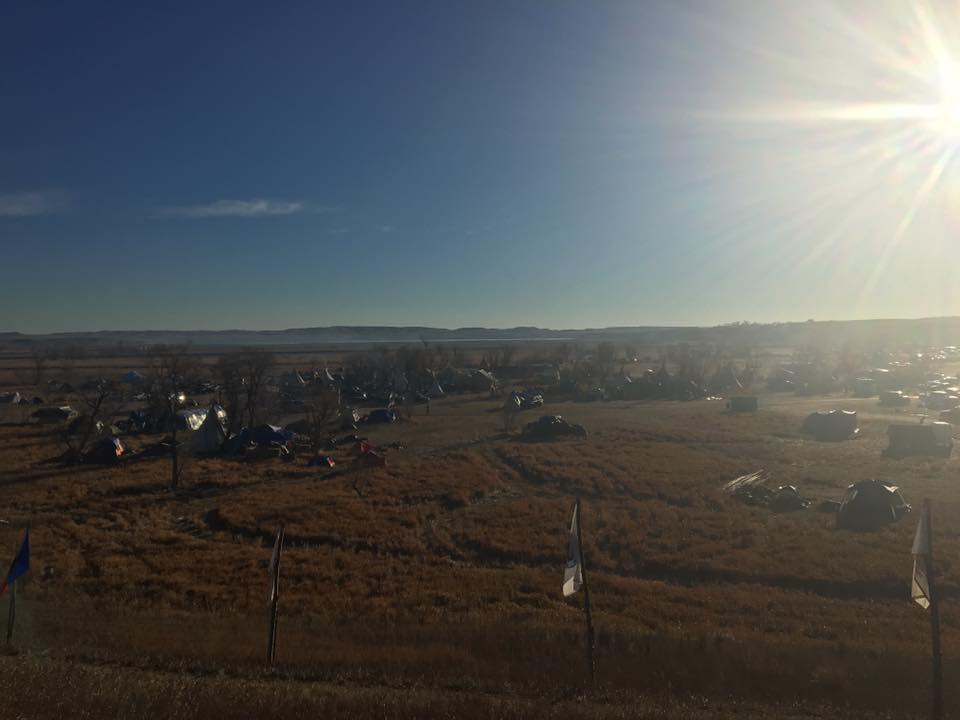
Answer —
541 162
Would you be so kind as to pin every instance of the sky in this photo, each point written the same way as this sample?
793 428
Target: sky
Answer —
557 163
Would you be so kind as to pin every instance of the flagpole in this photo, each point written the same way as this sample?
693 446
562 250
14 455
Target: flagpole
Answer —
275 603
586 596
936 706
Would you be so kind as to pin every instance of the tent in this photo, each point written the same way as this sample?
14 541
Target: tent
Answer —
549 427
190 418
483 381
934 438
787 499
894 398
131 378
869 504
300 427
834 425
268 435
951 416
370 459
53 414
9 398
743 403
209 437
382 415
106 450
436 391
83 423
326 378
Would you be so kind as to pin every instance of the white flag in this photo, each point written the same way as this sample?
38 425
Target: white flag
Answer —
920 587
274 563
573 572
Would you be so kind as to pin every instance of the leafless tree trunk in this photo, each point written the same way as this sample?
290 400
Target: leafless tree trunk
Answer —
230 378
256 366
38 360
323 405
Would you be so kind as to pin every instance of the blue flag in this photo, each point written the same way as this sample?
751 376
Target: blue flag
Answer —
20 565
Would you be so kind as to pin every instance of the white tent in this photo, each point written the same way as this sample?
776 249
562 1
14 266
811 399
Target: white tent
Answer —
326 378
210 435
436 391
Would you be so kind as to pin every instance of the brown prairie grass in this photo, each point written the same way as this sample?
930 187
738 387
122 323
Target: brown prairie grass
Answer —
439 584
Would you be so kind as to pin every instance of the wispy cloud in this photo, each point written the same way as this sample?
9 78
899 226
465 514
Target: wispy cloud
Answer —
384 228
259 207
39 202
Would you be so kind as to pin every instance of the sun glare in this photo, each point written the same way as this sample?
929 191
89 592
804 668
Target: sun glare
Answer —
948 109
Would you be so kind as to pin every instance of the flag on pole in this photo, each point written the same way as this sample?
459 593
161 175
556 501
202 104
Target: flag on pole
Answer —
274 562
573 572
920 587
20 565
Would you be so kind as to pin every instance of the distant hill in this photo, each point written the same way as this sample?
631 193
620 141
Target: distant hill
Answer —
923 332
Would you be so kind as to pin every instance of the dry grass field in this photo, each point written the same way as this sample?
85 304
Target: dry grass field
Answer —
437 592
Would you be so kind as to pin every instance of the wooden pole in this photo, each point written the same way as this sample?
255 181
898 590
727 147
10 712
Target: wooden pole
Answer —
586 596
175 474
12 612
936 705
274 603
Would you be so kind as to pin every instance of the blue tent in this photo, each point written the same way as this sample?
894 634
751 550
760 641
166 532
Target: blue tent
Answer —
265 435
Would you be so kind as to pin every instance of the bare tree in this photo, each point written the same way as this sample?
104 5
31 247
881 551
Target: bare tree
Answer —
511 410
255 365
39 357
171 366
96 403
229 375
322 405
